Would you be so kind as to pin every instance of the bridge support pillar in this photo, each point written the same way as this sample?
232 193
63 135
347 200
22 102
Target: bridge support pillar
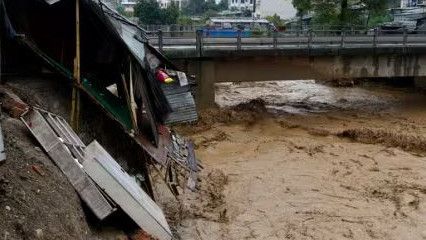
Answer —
206 78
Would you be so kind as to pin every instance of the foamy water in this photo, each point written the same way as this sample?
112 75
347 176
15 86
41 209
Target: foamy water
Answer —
307 96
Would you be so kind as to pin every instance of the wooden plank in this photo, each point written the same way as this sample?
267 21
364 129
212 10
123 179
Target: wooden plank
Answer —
63 158
2 150
124 190
192 163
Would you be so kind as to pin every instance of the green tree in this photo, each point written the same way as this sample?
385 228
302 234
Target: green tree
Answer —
377 12
184 20
148 12
302 6
325 13
340 12
223 5
170 15
211 5
204 7
276 20
194 7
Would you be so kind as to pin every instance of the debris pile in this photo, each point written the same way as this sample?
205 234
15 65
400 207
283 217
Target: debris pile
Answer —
105 57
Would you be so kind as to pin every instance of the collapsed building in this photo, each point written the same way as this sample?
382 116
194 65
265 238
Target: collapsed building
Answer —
134 85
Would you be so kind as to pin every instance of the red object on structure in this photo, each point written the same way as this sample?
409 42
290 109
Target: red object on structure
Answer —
163 77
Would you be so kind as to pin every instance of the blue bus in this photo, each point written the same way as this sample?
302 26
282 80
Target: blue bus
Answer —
229 27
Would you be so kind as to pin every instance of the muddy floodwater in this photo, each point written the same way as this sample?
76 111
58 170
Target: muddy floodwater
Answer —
310 161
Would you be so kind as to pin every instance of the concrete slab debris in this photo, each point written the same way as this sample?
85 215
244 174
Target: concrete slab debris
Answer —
65 148
124 190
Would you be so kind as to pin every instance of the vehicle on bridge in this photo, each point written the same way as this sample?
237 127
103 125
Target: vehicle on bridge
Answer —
232 27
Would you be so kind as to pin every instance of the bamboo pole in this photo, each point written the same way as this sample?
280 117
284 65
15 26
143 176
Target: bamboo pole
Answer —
133 104
75 105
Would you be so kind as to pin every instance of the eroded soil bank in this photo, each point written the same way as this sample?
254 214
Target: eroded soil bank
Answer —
309 161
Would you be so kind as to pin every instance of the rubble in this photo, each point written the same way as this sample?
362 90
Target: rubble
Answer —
12 104
121 79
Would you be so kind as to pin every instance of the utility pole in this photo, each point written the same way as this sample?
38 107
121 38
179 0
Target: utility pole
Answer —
75 104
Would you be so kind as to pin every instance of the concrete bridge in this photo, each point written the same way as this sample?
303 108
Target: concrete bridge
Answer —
296 57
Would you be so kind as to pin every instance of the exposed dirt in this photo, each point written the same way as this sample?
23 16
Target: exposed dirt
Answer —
36 200
316 163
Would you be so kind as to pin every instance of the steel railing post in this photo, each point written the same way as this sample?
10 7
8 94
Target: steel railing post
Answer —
239 39
310 36
160 40
275 40
342 41
199 42
405 37
376 34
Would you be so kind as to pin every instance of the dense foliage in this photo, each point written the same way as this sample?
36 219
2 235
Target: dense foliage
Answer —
276 20
367 13
202 7
150 12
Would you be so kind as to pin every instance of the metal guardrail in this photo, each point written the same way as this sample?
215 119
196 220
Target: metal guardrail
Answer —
200 41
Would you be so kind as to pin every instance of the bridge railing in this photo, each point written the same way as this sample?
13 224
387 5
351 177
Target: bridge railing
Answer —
201 40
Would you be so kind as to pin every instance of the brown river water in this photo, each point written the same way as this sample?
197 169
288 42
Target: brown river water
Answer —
309 161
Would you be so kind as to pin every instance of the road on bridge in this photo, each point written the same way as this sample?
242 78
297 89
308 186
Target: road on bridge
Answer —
281 42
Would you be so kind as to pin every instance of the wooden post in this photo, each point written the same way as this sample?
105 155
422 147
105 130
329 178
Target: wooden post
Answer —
133 104
75 105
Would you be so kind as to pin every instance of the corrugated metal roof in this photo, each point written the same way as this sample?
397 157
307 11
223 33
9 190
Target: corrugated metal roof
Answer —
182 103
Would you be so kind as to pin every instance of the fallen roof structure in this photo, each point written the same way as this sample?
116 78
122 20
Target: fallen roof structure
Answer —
114 52
67 151
124 191
99 180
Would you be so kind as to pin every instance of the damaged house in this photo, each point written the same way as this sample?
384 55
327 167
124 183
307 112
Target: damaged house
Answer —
107 58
